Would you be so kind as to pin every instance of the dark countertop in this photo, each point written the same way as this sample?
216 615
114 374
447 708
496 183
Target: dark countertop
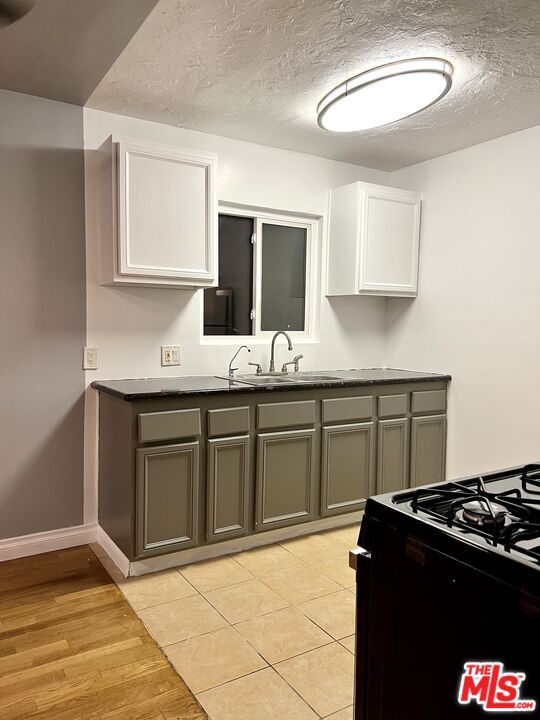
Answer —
152 388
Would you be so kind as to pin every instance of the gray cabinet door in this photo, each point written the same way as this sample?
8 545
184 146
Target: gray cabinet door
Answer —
392 455
347 467
428 449
167 491
228 488
285 478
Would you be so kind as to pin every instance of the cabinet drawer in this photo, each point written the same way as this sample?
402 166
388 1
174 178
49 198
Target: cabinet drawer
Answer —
351 408
228 421
287 414
169 425
429 401
392 405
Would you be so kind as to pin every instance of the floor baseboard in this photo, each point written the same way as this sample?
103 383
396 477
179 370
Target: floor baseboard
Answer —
37 543
113 551
248 542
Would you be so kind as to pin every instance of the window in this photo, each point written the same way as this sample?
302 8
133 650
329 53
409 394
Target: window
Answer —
265 276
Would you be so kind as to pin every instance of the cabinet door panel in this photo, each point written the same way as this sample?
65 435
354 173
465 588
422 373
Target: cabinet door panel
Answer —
167 213
285 478
393 455
228 487
167 483
390 230
428 450
347 467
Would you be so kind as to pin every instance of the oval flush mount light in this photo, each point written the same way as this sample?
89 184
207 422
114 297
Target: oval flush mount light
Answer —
384 94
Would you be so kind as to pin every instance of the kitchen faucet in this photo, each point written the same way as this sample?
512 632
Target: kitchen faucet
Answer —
231 369
272 362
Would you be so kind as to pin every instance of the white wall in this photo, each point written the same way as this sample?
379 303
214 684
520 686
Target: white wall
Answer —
129 325
477 314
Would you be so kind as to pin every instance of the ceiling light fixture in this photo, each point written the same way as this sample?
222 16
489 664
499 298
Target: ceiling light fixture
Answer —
384 94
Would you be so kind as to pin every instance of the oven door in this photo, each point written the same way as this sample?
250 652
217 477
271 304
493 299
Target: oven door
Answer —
420 616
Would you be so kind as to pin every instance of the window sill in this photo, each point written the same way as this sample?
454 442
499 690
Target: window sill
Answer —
235 340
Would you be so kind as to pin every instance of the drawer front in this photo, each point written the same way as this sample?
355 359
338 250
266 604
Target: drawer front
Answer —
392 405
228 421
287 414
429 401
169 425
346 409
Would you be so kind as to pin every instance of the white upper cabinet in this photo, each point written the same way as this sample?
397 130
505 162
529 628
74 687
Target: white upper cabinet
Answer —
158 215
373 244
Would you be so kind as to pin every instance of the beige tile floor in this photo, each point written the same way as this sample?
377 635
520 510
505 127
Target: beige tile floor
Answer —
266 634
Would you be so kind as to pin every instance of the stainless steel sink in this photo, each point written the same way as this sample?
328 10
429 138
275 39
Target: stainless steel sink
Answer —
316 377
284 379
265 380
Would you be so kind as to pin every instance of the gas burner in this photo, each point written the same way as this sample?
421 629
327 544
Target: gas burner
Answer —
503 508
483 513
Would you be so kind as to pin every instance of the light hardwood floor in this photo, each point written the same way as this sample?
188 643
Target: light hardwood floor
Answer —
71 648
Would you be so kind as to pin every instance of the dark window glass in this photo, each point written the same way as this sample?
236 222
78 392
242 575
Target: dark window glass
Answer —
227 307
283 263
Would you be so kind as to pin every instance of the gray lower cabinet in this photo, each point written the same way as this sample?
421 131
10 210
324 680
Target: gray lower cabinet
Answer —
285 478
167 480
393 455
177 473
428 449
228 479
348 467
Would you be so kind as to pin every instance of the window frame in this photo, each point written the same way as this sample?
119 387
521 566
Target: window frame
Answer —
261 216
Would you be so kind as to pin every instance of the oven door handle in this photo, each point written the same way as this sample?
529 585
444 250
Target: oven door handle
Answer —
360 562
354 555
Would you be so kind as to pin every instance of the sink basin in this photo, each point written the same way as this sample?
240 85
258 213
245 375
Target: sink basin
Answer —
284 379
316 377
265 380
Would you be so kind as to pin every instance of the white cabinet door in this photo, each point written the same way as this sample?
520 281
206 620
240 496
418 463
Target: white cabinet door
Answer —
373 246
389 242
162 230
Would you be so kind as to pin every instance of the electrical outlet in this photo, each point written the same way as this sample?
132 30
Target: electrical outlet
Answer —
90 358
170 355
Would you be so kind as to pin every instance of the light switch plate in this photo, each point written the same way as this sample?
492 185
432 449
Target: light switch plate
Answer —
90 358
170 355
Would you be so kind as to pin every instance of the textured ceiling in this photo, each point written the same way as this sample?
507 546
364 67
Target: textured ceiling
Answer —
256 69
62 48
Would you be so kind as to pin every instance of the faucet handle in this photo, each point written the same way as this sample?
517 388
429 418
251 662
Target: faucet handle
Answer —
258 367
295 361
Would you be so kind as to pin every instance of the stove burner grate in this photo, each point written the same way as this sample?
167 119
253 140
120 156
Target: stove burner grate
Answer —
530 478
502 518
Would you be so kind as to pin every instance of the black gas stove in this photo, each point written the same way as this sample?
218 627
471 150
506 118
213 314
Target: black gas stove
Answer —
448 574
